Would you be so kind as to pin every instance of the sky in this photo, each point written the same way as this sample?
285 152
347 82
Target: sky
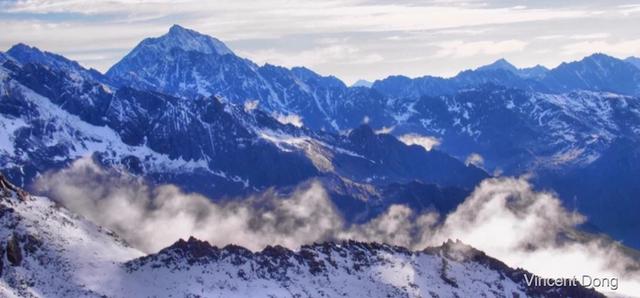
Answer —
351 39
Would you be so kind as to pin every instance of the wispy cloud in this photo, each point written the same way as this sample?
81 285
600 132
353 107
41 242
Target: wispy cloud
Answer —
617 48
462 49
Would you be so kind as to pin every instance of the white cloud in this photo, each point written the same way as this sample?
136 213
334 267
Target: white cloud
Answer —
599 35
629 9
251 105
292 119
475 159
385 130
427 142
462 49
151 218
621 48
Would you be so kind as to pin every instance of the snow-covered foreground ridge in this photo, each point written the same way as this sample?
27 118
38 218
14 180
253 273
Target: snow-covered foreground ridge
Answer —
49 252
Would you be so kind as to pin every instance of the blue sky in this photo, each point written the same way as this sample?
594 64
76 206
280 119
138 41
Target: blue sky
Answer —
351 39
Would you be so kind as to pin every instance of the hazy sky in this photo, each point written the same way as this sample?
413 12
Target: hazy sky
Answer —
351 39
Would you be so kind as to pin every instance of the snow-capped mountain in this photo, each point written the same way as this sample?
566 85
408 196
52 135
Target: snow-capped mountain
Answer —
183 108
49 252
397 101
52 116
188 64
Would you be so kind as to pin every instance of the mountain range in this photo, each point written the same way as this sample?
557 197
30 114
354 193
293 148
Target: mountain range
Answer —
184 109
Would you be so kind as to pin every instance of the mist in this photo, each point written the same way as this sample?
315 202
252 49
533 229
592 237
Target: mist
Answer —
504 217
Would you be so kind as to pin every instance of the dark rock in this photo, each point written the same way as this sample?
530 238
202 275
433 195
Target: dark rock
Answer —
14 253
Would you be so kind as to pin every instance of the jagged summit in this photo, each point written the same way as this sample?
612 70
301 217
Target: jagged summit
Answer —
159 63
185 39
499 64
534 72
345 268
26 54
191 40
29 54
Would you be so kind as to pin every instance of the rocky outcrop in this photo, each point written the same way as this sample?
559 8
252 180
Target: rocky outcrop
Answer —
14 253
6 189
347 258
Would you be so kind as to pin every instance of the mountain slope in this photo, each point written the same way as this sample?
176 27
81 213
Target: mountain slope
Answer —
52 253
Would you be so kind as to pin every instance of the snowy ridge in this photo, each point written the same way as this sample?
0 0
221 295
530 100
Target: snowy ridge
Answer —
189 40
345 269
53 253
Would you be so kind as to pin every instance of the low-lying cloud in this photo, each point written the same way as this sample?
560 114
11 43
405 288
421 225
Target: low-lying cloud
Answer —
504 217
475 159
426 142
151 218
292 119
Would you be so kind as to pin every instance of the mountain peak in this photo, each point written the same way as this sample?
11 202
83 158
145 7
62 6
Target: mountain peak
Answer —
23 50
176 29
499 64
599 56
24 53
189 40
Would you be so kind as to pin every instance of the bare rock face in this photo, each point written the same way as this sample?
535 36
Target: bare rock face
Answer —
14 253
6 188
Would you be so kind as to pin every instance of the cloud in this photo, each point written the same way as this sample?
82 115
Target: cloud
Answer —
425 142
508 220
151 218
629 9
462 49
503 217
621 48
385 130
293 119
475 159
251 105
